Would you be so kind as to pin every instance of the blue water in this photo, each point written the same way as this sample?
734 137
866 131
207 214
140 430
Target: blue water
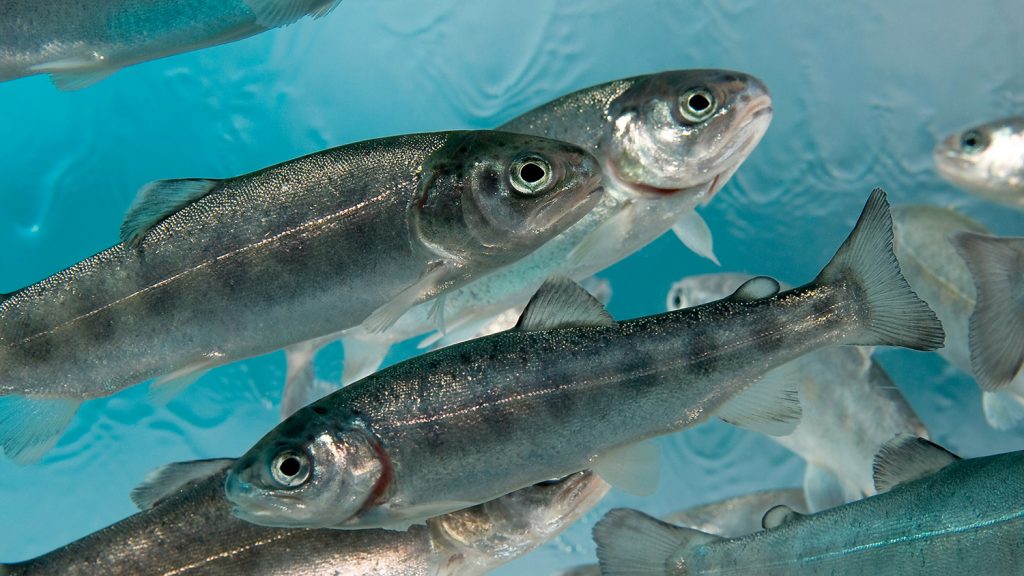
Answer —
861 91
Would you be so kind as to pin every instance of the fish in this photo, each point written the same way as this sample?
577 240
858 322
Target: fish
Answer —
938 273
213 271
842 426
987 160
668 142
186 527
934 514
79 43
729 518
996 326
568 389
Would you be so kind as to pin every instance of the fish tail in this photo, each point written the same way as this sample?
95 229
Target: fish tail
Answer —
996 328
631 542
894 315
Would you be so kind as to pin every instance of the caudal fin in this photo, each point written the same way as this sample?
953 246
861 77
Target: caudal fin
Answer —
894 315
996 329
631 542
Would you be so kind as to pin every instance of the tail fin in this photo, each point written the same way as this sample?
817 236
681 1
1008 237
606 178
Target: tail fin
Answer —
631 542
996 331
896 316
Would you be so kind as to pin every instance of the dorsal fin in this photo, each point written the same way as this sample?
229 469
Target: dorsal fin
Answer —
158 200
906 458
274 13
562 303
168 479
756 288
777 516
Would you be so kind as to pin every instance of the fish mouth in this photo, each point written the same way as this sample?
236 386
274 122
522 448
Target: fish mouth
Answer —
591 192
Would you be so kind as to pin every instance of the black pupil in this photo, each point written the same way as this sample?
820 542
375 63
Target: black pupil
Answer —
971 140
699 103
290 466
531 173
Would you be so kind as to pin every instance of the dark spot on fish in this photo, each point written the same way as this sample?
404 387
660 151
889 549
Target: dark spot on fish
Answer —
100 326
433 438
489 180
771 331
38 349
561 405
701 349
319 410
501 423
162 302
822 306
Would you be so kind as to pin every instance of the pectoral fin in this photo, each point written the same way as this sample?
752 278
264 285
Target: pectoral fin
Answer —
364 353
694 232
771 405
634 469
76 72
604 240
165 388
906 458
300 377
430 285
170 478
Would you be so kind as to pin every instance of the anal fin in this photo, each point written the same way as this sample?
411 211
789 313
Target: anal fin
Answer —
30 426
634 468
76 72
771 405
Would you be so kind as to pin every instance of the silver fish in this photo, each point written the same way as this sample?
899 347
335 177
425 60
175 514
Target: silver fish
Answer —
729 518
668 142
843 425
987 160
212 271
940 276
189 529
944 516
996 327
568 389
81 42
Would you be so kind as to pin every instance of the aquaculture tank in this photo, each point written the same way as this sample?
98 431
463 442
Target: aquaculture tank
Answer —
861 94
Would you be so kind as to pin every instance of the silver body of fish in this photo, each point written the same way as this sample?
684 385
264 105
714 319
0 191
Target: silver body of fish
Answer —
80 42
938 273
212 271
987 160
968 517
842 426
567 390
192 531
668 142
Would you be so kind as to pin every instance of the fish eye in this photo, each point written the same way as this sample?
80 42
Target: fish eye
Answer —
290 469
973 141
697 104
531 175
677 301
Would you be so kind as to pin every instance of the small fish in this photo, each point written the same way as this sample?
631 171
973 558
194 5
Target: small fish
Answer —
79 43
935 514
938 273
729 518
996 326
987 160
568 389
668 142
842 426
213 271
186 527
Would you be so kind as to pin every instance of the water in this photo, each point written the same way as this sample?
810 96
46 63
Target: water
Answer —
861 93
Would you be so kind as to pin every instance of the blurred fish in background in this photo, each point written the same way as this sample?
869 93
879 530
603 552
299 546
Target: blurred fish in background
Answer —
79 43
987 160
850 406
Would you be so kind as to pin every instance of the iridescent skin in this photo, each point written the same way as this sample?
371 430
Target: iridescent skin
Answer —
103 36
850 405
657 168
966 518
288 253
987 160
193 532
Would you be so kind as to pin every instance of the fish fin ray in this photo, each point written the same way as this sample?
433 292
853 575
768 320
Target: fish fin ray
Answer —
606 238
633 468
300 376
771 405
777 516
756 288
275 13
695 234
363 356
429 285
906 458
895 315
562 303
158 200
75 72
30 426
168 479
166 387
996 327
630 542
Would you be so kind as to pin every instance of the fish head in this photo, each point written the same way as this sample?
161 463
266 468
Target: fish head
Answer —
495 197
989 157
683 131
495 532
307 473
